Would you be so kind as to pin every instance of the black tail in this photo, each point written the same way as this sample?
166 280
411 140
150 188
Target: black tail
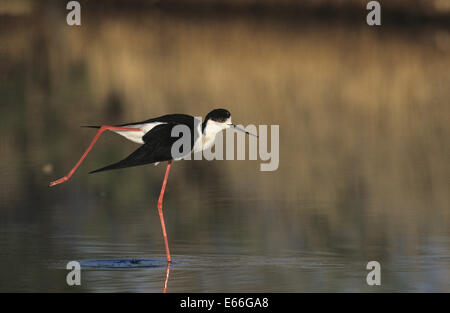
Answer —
91 126
114 166
143 155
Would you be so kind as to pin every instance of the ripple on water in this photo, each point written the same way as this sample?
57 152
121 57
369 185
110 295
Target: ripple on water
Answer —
122 263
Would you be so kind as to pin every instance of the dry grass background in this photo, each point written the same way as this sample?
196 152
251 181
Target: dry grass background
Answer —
363 113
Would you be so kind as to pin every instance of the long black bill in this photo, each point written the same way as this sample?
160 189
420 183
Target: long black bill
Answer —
242 130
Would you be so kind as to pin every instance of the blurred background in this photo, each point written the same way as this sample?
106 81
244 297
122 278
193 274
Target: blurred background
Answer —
364 145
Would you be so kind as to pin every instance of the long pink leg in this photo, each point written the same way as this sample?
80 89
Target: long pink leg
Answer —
161 217
99 132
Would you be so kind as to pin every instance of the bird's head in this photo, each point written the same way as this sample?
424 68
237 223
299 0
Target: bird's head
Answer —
218 120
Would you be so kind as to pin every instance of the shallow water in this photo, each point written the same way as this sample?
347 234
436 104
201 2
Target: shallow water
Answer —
217 256
363 173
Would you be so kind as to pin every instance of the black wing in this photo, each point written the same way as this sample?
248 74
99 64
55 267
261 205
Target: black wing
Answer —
169 118
157 147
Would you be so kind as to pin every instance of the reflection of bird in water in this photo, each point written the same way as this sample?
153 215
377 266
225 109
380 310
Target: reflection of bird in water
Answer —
167 277
156 137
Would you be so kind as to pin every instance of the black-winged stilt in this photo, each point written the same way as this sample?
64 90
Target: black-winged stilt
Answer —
155 136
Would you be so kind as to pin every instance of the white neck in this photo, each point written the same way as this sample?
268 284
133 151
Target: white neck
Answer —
208 136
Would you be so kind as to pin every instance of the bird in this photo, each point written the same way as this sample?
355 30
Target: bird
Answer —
156 138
